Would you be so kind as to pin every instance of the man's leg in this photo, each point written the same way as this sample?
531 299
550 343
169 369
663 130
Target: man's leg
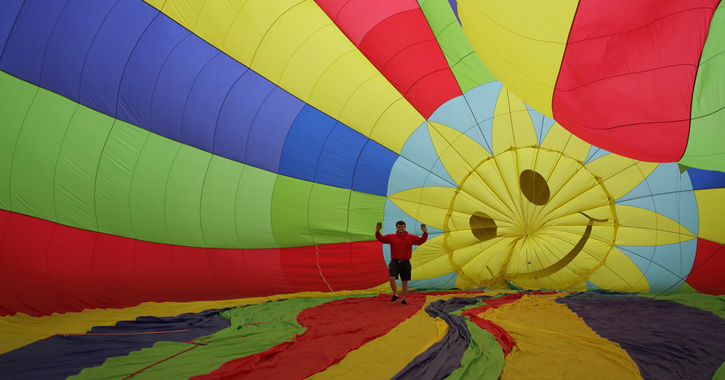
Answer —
404 290
394 288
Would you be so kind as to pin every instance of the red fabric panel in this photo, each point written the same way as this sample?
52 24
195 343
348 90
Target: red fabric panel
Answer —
707 271
396 38
47 268
327 340
627 75
333 267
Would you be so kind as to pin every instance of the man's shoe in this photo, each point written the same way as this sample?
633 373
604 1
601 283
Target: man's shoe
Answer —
395 298
403 302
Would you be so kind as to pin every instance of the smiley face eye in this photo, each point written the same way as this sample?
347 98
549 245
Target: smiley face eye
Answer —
482 227
534 187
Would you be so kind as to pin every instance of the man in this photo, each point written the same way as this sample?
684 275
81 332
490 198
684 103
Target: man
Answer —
401 248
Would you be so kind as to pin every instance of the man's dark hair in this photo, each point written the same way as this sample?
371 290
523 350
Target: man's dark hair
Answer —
400 222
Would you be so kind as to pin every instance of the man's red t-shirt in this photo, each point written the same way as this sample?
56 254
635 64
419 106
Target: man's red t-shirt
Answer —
401 246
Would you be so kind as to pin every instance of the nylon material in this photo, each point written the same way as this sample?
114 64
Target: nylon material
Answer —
710 216
639 227
110 52
395 119
26 45
253 217
148 188
534 37
358 18
305 140
186 12
113 179
63 62
466 66
289 213
706 279
75 174
15 102
409 201
546 332
558 138
702 150
217 197
8 13
183 196
173 85
142 71
236 117
327 213
677 259
629 279
206 99
36 154
365 211
620 176
339 157
512 126
428 262
373 169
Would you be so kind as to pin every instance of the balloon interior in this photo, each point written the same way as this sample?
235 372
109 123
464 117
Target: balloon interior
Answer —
190 189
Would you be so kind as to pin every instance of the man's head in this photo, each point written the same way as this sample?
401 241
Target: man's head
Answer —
400 227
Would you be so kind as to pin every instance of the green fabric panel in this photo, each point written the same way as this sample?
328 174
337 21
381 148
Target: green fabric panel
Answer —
217 203
115 174
720 373
290 202
32 178
16 99
365 210
149 187
253 208
75 176
253 329
484 358
183 196
328 214
704 146
467 67
715 304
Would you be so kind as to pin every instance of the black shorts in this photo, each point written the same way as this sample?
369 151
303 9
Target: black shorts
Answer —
399 267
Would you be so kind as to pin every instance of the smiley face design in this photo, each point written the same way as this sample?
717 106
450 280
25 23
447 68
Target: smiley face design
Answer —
529 213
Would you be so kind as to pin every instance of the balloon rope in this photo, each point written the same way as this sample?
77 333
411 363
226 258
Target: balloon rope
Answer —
317 252
195 345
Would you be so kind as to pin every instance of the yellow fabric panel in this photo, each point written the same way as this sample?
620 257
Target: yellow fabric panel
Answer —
430 260
459 153
522 42
21 329
711 208
620 174
512 125
158 4
561 140
619 273
427 204
552 342
294 44
383 357
640 227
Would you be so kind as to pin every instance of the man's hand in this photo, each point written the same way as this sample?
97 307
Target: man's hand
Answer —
379 227
424 228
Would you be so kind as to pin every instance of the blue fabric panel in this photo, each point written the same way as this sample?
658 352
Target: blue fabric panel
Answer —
666 339
9 11
24 51
304 143
69 45
706 179
339 157
444 356
373 169
237 115
60 356
206 99
110 52
143 70
174 84
271 124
